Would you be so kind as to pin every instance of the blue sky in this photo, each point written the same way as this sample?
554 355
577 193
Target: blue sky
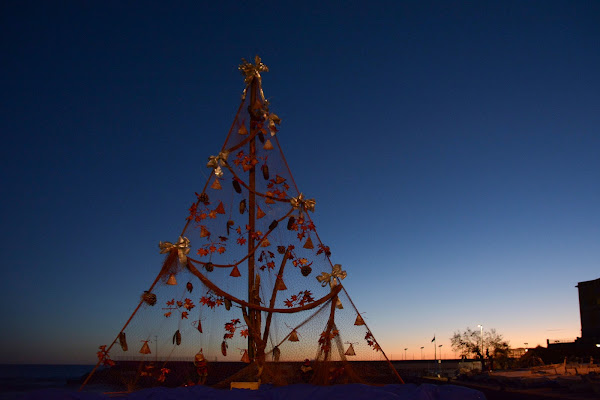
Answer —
452 149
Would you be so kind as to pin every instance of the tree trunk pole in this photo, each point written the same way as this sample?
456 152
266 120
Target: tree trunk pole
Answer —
252 215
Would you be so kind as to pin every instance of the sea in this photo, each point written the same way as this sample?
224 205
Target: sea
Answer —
19 380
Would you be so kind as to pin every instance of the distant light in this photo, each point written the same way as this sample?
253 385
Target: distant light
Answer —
597 344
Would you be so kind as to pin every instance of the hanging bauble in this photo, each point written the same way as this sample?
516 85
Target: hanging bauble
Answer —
265 243
172 280
209 267
261 137
276 354
216 184
339 305
235 272
350 351
203 198
189 287
268 145
236 186
242 206
227 303
293 337
308 244
245 357
203 231
123 341
359 320
177 337
265 171
220 208
200 326
259 213
280 284
273 225
230 224
243 130
306 270
291 223
145 348
269 198
224 348
281 249
149 298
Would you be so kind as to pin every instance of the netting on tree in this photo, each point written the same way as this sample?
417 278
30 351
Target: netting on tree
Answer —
249 279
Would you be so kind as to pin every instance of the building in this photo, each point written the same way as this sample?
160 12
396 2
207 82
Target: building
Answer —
589 309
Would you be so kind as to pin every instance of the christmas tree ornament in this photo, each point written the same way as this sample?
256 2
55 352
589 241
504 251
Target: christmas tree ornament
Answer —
350 351
224 348
220 208
265 243
261 137
308 244
145 348
291 222
237 186
227 303
281 249
359 320
199 326
265 171
293 336
276 354
209 267
216 184
149 298
259 213
268 145
279 284
189 287
273 225
306 270
203 198
242 206
204 232
172 281
245 357
230 224
123 341
235 272
243 130
177 337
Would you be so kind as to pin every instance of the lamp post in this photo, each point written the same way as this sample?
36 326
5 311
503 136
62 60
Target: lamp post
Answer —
422 347
481 328
405 353
440 346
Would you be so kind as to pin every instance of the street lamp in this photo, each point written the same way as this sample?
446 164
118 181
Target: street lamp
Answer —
405 353
481 328
422 347
526 349
440 346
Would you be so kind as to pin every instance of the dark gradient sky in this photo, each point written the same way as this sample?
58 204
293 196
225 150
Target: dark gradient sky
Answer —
452 147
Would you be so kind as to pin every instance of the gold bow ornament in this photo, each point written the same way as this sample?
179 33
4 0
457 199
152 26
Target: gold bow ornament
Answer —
336 272
251 71
216 162
302 203
182 246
